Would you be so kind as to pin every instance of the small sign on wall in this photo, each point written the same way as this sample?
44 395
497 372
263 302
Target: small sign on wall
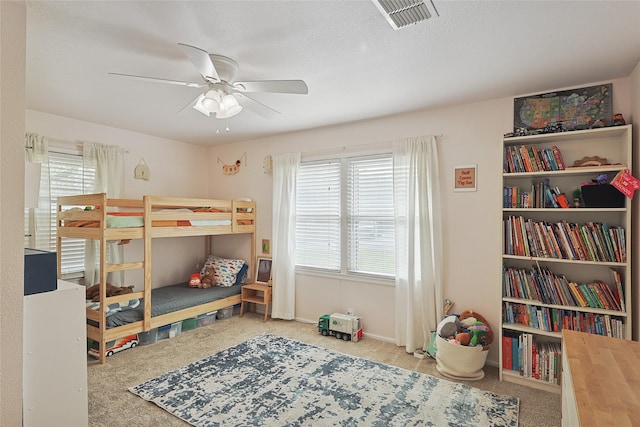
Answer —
465 178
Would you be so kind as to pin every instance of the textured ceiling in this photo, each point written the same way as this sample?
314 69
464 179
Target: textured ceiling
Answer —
356 66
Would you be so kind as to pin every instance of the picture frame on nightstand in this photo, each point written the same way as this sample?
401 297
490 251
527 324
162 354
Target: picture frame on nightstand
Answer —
263 270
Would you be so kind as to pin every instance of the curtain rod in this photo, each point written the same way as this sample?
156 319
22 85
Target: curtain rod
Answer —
343 149
63 143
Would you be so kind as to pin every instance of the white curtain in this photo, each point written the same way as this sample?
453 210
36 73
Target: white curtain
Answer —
419 288
283 271
37 151
108 163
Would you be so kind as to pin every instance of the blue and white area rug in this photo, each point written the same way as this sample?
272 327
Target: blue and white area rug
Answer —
275 381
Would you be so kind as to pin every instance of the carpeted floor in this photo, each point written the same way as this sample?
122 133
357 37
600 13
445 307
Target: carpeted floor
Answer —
111 404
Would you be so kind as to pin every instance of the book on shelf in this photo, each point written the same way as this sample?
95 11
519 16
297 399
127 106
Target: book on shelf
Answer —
585 242
519 159
541 195
557 157
541 284
507 357
618 292
533 358
536 156
588 295
592 323
578 296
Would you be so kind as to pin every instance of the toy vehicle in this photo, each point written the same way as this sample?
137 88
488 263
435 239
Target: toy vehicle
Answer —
344 326
116 346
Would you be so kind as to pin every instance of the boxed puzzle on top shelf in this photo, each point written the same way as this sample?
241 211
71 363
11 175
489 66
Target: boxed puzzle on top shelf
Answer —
566 110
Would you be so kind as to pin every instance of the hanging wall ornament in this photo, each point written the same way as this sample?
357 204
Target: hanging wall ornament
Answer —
267 165
232 169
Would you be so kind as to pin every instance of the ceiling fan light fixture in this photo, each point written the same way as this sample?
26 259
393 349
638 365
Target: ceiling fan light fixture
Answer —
199 107
211 101
229 107
230 101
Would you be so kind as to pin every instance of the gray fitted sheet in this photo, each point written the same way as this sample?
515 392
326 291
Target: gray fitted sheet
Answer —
172 298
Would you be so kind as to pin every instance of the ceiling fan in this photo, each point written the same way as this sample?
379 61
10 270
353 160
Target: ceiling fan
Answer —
219 98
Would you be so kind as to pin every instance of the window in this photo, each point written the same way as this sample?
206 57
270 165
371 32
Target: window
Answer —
65 175
345 216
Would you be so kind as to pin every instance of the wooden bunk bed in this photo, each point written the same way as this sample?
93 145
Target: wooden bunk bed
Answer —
108 220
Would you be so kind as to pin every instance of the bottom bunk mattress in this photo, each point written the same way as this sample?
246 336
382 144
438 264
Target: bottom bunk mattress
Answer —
173 298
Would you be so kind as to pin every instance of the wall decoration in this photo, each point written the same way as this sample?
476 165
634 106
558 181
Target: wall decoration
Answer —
566 110
265 246
232 169
263 270
267 165
465 178
142 171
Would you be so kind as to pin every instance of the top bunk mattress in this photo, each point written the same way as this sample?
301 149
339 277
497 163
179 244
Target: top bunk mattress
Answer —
127 220
173 298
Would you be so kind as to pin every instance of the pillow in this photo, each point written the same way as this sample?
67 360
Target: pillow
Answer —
225 270
242 274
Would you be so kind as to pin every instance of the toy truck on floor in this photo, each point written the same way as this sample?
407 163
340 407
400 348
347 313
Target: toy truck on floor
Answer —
344 326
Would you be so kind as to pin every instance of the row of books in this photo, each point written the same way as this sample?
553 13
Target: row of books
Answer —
541 284
530 159
592 241
556 319
542 195
532 358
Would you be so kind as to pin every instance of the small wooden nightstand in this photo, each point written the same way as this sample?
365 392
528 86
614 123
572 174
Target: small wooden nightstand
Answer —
256 293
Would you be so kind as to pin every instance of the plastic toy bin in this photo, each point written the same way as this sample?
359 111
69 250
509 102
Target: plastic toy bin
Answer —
459 361
225 313
149 337
188 324
169 331
206 319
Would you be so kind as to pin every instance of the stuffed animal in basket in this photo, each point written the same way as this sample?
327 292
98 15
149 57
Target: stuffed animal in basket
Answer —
93 292
469 314
448 327
478 334
208 280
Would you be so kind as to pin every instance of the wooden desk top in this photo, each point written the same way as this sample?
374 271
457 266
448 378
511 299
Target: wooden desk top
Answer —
606 378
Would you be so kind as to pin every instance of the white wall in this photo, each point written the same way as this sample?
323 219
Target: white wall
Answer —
472 227
177 169
12 70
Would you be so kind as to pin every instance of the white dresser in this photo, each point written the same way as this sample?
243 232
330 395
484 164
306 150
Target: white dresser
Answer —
55 358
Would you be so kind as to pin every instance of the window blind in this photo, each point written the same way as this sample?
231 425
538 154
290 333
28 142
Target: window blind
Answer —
345 216
370 216
65 175
318 213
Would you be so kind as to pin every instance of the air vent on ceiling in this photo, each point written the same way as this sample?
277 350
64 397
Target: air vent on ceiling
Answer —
401 13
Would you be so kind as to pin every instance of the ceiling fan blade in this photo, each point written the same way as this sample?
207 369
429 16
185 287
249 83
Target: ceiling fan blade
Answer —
274 86
201 60
257 106
157 80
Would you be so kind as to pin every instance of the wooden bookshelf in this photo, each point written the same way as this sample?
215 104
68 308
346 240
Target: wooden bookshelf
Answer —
563 268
